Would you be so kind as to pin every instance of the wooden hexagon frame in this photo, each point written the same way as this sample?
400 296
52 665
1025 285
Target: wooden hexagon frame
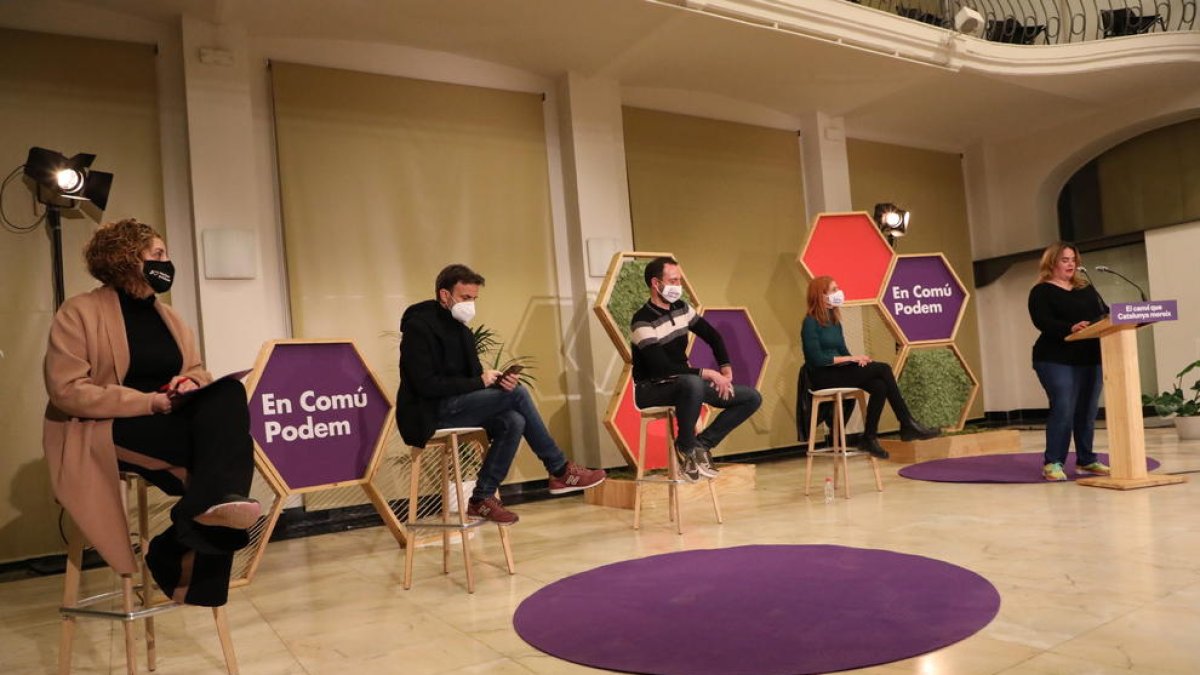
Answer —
808 238
600 307
907 351
962 310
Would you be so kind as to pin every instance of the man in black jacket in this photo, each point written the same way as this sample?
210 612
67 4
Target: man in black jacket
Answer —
443 384
662 376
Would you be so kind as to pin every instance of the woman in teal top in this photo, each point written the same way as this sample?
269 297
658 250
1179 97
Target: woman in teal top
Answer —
831 364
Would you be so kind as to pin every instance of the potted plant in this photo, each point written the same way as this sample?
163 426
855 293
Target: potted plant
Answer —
1185 410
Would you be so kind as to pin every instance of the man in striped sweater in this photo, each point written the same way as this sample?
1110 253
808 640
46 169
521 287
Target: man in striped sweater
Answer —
662 376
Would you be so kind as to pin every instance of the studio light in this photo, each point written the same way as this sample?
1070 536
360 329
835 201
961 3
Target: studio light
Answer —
892 221
63 183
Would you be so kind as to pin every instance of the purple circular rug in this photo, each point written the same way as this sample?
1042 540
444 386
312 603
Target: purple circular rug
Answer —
757 609
1025 467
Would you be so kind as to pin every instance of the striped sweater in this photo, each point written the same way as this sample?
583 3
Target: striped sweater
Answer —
660 338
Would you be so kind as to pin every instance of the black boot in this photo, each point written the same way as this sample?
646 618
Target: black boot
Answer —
871 444
913 431
165 560
205 582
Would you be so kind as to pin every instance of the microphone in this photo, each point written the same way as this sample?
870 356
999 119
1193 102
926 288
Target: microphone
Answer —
1103 306
1109 270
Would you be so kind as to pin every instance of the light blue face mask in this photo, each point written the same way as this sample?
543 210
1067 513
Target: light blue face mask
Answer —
836 298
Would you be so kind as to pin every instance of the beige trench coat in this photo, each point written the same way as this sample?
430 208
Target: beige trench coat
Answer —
86 361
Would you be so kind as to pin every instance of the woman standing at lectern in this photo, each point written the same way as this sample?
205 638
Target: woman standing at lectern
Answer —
1062 302
128 393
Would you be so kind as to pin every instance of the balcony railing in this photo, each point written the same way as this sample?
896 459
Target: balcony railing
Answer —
1028 22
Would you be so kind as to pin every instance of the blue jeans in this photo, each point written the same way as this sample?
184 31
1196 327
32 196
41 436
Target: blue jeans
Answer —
1074 393
507 416
687 393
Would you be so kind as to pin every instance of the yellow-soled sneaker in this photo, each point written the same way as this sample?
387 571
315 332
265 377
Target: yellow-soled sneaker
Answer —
1097 468
1053 471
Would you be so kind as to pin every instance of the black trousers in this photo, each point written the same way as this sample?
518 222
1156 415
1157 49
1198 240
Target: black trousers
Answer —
201 452
876 379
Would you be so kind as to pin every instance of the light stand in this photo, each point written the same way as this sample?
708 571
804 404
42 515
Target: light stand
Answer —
60 183
54 230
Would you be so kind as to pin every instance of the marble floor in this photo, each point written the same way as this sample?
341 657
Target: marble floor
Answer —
1092 580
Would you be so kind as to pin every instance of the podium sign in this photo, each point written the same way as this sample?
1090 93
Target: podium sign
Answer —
1144 312
1122 395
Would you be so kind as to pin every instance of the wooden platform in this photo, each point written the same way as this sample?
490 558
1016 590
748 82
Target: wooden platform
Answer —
618 492
964 445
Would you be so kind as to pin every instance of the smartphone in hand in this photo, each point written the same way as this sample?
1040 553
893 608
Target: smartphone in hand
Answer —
513 369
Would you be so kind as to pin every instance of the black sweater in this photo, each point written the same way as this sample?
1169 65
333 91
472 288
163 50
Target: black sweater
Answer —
437 359
660 336
154 356
1053 311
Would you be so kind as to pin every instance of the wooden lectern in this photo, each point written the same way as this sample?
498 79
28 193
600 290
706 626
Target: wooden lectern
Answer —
1122 408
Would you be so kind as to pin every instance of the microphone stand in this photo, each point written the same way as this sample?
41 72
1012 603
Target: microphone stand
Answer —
1103 306
1109 270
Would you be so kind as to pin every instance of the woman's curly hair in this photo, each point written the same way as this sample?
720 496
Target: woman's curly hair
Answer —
114 254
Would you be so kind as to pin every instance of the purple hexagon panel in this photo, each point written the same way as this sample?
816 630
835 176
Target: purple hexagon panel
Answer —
317 413
924 297
747 353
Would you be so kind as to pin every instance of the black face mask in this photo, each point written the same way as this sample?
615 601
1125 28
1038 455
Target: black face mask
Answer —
159 274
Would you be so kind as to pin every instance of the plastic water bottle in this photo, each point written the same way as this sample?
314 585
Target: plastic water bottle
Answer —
829 490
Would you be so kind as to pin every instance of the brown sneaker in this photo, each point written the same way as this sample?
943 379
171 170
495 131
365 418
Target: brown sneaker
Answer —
491 509
576 478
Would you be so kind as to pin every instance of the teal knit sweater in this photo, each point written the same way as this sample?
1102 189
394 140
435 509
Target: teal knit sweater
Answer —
822 343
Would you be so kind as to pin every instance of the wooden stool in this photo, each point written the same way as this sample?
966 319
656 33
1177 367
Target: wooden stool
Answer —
837 449
135 599
672 480
446 442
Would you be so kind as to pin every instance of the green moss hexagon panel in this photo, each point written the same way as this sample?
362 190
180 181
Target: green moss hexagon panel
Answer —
624 291
937 384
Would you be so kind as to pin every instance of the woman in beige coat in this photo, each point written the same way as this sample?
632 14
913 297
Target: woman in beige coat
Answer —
128 393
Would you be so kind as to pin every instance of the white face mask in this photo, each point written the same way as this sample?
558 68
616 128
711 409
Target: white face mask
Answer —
836 298
463 311
671 293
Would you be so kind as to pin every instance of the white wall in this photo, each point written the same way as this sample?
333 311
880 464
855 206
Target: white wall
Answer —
1173 277
1006 339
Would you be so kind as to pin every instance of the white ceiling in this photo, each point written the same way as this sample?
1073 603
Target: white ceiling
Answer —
649 46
